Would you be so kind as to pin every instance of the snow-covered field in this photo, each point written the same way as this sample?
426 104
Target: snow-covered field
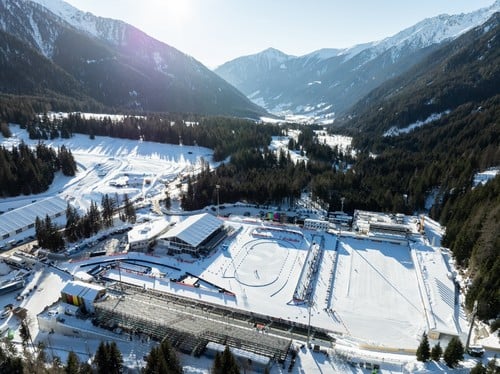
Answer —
105 161
376 298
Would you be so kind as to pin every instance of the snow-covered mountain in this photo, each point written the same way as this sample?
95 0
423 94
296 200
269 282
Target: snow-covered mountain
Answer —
113 31
330 81
109 61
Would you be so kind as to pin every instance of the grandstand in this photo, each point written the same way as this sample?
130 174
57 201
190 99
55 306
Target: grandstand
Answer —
389 228
304 291
187 326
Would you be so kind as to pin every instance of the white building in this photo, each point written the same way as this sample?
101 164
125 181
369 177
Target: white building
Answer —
143 236
82 294
18 220
316 224
195 233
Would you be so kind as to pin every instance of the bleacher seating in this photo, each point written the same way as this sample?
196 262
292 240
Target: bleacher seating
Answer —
185 324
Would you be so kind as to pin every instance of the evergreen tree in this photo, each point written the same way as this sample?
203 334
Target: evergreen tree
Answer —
226 363
85 368
5 130
436 352
128 209
423 350
39 232
24 332
48 235
72 223
454 352
491 367
101 359
155 363
66 161
115 359
94 217
108 208
478 369
170 357
72 364
217 364
10 363
163 359
168 201
108 359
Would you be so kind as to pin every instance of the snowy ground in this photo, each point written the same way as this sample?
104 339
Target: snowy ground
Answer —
370 294
104 160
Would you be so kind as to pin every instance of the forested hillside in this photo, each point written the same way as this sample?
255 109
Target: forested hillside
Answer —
472 222
105 62
465 70
26 171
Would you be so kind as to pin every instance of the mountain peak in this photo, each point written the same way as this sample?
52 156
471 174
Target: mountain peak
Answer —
437 29
83 53
272 50
103 28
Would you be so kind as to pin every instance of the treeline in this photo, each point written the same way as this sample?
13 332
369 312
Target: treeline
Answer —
26 171
254 175
223 135
79 227
162 359
22 109
472 219
265 176
48 234
398 173
107 359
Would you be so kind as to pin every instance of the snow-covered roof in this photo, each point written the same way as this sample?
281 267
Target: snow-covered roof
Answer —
22 217
84 290
439 286
195 229
147 230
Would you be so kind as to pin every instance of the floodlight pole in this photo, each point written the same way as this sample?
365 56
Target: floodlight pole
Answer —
120 276
309 306
217 187
473 316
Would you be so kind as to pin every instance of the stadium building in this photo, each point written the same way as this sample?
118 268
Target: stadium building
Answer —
142 237
316 224
82 294
195 235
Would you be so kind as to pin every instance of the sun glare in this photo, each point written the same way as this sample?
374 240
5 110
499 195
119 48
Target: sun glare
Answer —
177 11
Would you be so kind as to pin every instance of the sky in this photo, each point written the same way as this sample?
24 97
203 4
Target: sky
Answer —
217 31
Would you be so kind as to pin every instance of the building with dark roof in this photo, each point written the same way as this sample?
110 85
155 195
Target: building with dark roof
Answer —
195 234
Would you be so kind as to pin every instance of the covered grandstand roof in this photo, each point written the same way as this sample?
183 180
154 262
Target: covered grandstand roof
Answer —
22 217
195 229
84 290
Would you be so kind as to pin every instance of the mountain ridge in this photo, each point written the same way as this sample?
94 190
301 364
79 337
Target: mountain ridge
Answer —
340 77
462 71
121 67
